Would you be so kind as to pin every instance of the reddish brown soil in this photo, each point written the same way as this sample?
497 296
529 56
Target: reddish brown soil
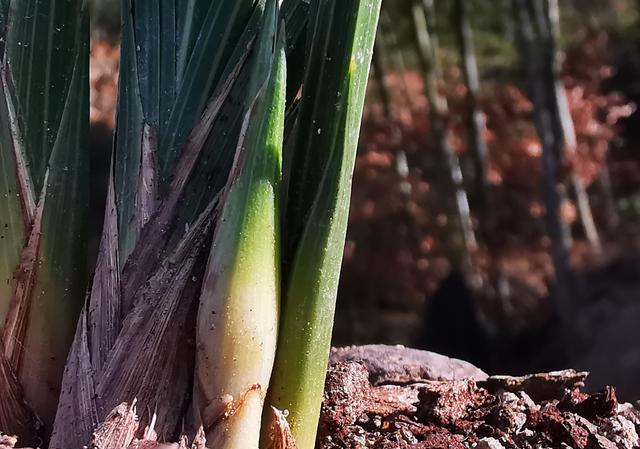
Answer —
538 411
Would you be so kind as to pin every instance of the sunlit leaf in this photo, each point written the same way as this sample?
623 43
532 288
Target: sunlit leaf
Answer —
340 49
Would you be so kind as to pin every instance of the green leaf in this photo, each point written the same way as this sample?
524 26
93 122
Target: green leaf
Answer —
128 140
138 279
341 45
221 30
191 17
39 55
12 225
173 56
62 280
295 14
44 176
218 153
239 305
4 10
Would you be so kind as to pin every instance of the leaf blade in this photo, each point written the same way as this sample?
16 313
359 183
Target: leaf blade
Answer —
239 304
46 113
318 203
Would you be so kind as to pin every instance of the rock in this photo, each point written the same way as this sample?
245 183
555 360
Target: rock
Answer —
508 398
622 432
629 412
489 443
597 441
600 405
507 418
399 365
7 442
540 387
350 398
444 403
440 440
561 426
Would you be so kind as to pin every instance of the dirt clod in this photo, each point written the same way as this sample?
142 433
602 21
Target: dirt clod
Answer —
603 404
446 403
542 411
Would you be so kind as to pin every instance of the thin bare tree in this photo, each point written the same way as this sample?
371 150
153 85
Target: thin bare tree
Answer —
424 19
380 76
608 197
388 42
475 120
537 52
552 30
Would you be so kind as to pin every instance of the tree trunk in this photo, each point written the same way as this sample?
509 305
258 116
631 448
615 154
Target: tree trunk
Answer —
568 129
389 43
476 122
538 57
429 11
537 53
540 26
438 110
608 198
381 78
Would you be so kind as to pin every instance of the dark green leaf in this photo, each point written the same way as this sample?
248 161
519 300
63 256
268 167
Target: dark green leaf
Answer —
12 225
173 55
39 55
44 184
220 32
295 14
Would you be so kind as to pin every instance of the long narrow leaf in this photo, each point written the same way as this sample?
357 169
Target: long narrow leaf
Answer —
146 285
238 316
44 164
221 30
4 11
12 225
162 44
295 14
318 201
15 414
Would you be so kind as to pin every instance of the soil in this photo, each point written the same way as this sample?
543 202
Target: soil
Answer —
364 409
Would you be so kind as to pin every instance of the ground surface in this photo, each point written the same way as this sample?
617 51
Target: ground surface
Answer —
364 407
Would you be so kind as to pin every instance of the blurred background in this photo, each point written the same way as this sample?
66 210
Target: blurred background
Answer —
496 199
